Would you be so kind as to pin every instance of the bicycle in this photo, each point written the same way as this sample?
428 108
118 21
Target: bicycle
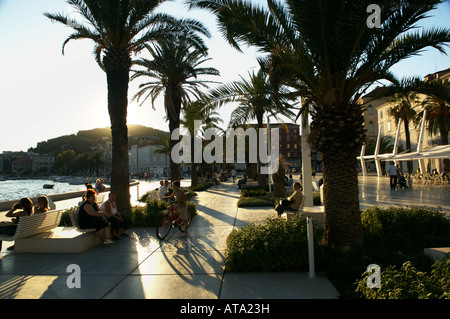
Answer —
170 220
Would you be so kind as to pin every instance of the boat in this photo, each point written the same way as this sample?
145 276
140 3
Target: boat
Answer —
77 181
49 185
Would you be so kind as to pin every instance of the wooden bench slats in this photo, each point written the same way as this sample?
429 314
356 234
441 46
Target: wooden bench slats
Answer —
74 219
35 224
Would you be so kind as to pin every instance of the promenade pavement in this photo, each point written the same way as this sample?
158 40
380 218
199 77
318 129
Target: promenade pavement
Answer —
142 267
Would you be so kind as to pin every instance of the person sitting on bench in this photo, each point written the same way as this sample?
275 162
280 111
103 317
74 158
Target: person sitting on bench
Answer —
293 202
242 181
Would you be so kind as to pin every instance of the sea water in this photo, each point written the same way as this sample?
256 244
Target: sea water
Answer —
16 189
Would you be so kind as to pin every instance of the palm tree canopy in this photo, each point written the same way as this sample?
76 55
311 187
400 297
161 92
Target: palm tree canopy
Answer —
175 65
200 110
403 106
255 98
327 43
438 108
121 25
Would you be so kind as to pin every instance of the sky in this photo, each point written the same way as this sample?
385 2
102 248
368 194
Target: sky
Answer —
44 94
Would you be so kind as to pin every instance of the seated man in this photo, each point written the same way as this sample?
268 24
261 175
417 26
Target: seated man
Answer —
242 181
293 202
163 189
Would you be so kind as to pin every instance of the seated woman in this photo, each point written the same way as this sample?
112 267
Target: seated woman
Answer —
91 216
9 228
109 207
42 205
293 202
180 204
99 187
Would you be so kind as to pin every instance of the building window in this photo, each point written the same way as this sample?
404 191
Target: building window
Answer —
370 109
381 114
389 126
371 127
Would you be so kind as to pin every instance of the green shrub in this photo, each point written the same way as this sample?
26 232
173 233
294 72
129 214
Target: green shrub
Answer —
65 217
414 226
255 187
192 208
409 283
277 246
253 192
151 215
201 187
259 201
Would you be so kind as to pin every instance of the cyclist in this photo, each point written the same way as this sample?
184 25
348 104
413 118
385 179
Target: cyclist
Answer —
180 205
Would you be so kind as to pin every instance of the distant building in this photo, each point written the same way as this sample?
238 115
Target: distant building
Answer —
22 165
143 158
387 126
42 163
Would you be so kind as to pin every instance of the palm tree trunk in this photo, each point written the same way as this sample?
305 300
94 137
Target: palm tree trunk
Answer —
444 141
337 132
342 221
194 179
117 80
173 107
408 144
261 177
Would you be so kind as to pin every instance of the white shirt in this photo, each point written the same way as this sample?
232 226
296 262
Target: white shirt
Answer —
113 209
393 170
162 191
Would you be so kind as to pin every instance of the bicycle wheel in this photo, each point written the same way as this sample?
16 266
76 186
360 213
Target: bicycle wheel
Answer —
163 230
182 225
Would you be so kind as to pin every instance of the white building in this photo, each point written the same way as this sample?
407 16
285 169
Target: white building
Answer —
42 163
388 127
143 158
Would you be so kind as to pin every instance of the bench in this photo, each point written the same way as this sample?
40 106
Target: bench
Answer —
241 182
60 239
35 224
75 223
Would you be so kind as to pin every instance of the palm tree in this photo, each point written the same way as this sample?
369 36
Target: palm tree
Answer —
255 98
198 111
175 67
438 116
119 28
164 148
404 110
332 55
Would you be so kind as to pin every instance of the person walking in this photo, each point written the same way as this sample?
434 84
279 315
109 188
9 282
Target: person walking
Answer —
393 175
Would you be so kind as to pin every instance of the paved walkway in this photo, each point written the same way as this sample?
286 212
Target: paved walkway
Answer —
140 266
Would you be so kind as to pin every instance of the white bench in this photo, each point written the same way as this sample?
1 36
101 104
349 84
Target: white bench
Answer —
35 224
74 218
60 239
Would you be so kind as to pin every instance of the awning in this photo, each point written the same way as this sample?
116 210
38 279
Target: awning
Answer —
441 151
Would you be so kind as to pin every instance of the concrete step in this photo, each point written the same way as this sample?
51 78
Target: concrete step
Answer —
60 240
437 253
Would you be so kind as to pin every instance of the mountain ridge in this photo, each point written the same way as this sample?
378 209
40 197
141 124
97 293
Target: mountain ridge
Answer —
85 140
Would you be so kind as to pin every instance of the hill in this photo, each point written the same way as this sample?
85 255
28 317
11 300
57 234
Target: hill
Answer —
133 130
87 140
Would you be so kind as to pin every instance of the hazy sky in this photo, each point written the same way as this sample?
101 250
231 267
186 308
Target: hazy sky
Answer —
44 94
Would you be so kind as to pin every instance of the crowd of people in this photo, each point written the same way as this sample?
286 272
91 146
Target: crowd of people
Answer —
106 219
24 207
